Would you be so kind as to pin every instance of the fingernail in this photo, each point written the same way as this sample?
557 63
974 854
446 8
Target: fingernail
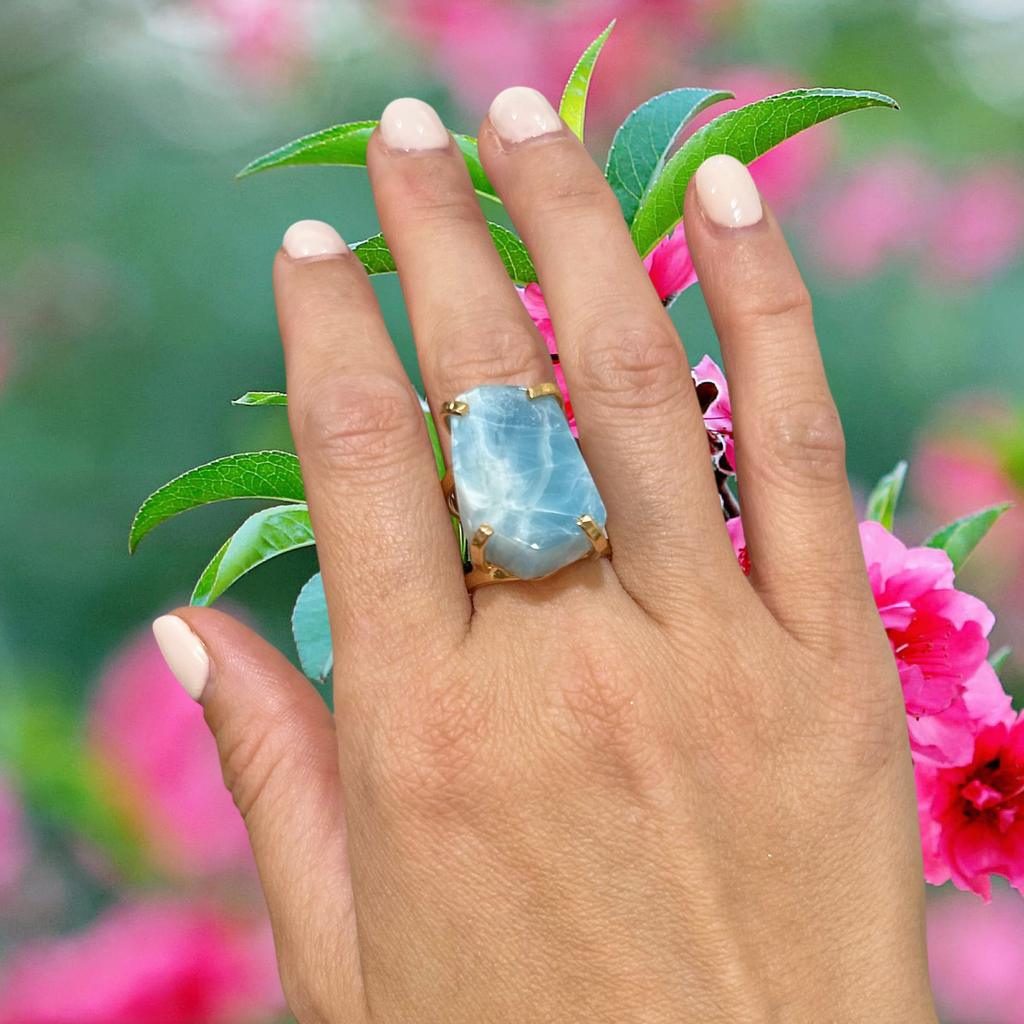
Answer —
411 125
522 113
308 238
184 653
727 192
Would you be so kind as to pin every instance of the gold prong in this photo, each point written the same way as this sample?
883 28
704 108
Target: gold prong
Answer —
598 538
539 390
448 486
453 409
477 545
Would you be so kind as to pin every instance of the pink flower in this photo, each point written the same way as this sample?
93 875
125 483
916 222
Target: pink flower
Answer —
152 735
739 542
713 395
972 815
948 736
670 266
976 957
887 208
14 845
150 962
982 226
483 46
671 271
938 633
262 37
882 210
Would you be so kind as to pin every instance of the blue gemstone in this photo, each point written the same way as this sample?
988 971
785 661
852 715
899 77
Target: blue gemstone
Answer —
518 470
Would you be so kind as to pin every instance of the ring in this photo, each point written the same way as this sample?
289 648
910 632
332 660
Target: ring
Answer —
518 484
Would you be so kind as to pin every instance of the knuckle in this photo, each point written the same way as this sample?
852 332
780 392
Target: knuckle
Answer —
612 722
360 424
431 757
803 441
633 360
774 308
474 348
567 194
447 203
250 758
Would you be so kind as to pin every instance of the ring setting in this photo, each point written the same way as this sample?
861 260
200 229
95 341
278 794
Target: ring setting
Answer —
519 485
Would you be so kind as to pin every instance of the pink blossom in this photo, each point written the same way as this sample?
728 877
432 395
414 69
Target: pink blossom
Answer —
671 271
154 962
14 845
713 395
670 266
969 813
483 46
887 208
976 957
152 735
739 542
982 226
948 736
938 633
262 37
882 210
953 474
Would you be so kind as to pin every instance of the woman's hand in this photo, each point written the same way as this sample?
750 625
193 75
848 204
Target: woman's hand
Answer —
646 789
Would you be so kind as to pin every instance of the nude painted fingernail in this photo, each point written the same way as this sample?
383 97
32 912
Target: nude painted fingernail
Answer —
184 653
521 113
727 192
308 238
410 125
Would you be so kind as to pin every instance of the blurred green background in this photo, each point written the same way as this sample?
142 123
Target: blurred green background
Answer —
135 297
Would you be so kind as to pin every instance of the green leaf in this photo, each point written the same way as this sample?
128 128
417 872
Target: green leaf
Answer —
264 535
883 499
375 255
262 398
435 443
997 659
312 630
344 145
962 536
515 256
573 106
641 144
377 258
746 134
267 474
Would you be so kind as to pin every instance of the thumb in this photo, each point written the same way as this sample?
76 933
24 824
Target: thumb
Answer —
279 757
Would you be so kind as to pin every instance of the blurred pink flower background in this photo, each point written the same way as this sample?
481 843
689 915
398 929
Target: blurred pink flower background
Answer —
194 945
187 941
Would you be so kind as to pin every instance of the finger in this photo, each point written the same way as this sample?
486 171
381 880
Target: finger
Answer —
469 324
798 514
279 756
629 380
388 554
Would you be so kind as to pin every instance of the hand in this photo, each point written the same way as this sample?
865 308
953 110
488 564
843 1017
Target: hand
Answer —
645 789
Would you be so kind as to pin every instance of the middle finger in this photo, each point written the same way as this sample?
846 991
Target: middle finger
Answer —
640 423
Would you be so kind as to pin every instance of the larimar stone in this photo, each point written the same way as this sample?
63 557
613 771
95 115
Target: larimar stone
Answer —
518 469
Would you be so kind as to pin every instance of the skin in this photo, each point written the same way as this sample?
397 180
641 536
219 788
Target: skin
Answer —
648 789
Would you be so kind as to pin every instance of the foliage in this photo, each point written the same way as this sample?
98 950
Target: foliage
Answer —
650 189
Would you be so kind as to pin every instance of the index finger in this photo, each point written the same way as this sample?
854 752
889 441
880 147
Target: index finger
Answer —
388 554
